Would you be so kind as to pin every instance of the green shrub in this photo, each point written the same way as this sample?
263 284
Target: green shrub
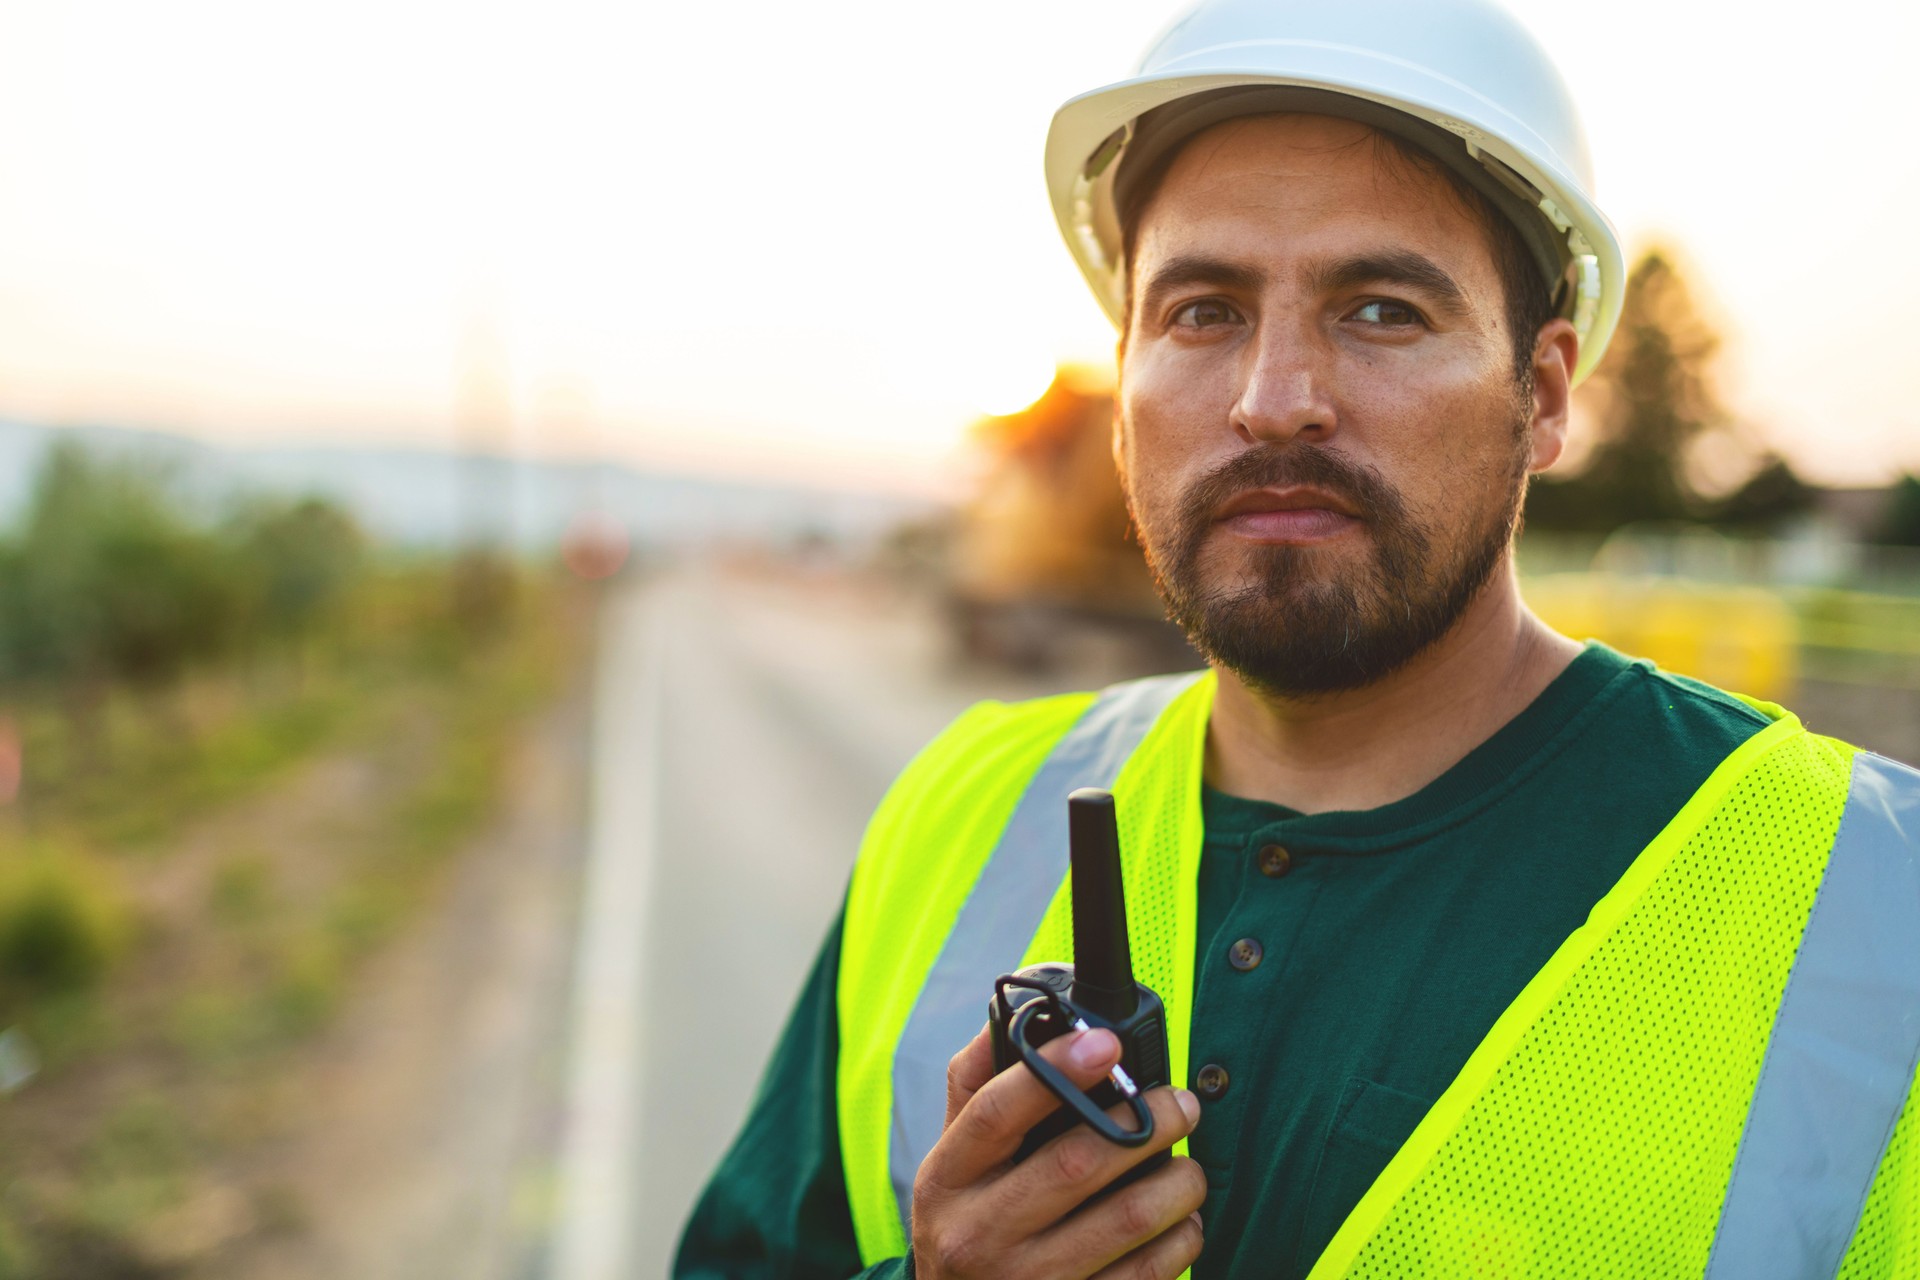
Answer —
62 922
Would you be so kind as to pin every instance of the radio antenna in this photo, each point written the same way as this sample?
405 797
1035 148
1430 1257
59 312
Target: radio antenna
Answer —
1102 959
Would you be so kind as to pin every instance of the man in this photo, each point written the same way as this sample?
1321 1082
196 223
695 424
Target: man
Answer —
1484 953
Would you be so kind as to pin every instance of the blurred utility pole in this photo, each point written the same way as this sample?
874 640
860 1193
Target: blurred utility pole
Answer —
595 542
483 421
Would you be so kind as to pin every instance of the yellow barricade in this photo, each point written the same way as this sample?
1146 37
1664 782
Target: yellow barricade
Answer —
1743 639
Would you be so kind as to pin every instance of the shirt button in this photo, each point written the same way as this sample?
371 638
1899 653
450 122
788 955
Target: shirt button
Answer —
1244 954
1275 861
1211 1083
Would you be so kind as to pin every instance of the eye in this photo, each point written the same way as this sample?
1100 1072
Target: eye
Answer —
1205 314
1387 312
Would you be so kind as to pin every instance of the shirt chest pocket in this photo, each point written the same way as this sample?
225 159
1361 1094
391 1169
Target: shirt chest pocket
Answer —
1370 1124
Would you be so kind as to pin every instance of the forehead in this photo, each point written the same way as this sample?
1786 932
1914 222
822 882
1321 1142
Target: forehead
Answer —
1303 187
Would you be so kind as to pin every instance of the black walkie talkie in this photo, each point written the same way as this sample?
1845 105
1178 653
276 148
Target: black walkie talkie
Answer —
1044 1001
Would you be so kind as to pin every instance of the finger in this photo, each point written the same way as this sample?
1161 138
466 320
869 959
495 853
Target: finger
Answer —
1162 1258
986 1132
1127 1234
1124 1119
1077 1165
967 1071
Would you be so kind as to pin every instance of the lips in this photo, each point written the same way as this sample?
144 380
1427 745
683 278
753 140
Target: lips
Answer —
1297 497
1295 513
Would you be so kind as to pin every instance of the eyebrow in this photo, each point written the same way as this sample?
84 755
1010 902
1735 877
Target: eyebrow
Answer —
1196 268
1393 266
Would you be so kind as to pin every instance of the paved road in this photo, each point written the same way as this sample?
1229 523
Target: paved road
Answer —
745 730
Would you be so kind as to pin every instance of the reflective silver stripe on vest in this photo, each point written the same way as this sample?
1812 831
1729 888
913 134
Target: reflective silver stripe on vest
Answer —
1843 1050
1004 911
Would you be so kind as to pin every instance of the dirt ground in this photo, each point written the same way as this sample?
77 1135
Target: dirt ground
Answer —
427 1115
407 1130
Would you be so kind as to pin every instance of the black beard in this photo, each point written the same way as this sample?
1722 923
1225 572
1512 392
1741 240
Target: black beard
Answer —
1295 632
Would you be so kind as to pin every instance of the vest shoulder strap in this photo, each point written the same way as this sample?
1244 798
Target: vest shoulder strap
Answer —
922 852
1840 1059
960 864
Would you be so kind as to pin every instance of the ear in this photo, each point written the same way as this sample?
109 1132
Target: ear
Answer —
1554 354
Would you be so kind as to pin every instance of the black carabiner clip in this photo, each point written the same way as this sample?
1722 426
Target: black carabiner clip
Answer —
1064 1089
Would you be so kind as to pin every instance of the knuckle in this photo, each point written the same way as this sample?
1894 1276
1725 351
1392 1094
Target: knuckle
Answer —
1196 1180
1145 1264
1150 1266
1170 1255
961 1253
1138 1216
989 1112
1189 1240
1074 1160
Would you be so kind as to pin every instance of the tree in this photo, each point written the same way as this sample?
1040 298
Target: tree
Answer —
1774 493
108 579
300 555
1651 402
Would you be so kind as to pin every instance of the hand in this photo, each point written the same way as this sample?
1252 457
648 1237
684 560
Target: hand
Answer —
977 1215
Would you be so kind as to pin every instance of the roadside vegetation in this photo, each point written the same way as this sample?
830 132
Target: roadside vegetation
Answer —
238 748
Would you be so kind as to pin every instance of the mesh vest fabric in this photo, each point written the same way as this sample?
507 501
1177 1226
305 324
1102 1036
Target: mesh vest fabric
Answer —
1886 1244
922 852
1593 1131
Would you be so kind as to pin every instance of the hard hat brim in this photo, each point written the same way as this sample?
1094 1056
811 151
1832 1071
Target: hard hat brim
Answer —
1090 135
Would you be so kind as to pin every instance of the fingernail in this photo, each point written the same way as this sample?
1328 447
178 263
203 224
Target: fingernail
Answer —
1189 1104
1195 1217
1092 1048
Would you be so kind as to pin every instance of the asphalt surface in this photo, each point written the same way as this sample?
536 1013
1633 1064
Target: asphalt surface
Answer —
746 727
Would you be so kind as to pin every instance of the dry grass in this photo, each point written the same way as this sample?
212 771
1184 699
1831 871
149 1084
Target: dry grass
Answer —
192 915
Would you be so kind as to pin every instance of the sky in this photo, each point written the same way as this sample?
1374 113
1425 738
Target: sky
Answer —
799 241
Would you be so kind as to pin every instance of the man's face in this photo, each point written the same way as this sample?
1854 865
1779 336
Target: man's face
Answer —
1320 431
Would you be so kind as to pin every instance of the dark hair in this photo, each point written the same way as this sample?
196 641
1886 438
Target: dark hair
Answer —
1529 304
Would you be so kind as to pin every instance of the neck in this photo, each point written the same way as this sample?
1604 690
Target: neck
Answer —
1371 746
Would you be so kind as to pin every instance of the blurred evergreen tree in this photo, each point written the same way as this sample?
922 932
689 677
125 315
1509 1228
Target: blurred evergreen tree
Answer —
1650 404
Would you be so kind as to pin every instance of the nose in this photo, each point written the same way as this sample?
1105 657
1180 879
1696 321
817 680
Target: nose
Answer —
1285 390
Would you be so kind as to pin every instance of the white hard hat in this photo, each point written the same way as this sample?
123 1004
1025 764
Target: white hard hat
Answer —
1460 79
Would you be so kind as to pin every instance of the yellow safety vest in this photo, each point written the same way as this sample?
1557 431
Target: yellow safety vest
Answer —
1710 1078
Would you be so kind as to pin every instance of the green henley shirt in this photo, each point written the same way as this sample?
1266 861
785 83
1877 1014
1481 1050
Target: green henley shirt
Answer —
1347 964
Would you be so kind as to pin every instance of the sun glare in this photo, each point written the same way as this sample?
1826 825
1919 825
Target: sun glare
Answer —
1005 382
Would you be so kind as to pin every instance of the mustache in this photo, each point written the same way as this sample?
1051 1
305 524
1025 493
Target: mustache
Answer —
1274 466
